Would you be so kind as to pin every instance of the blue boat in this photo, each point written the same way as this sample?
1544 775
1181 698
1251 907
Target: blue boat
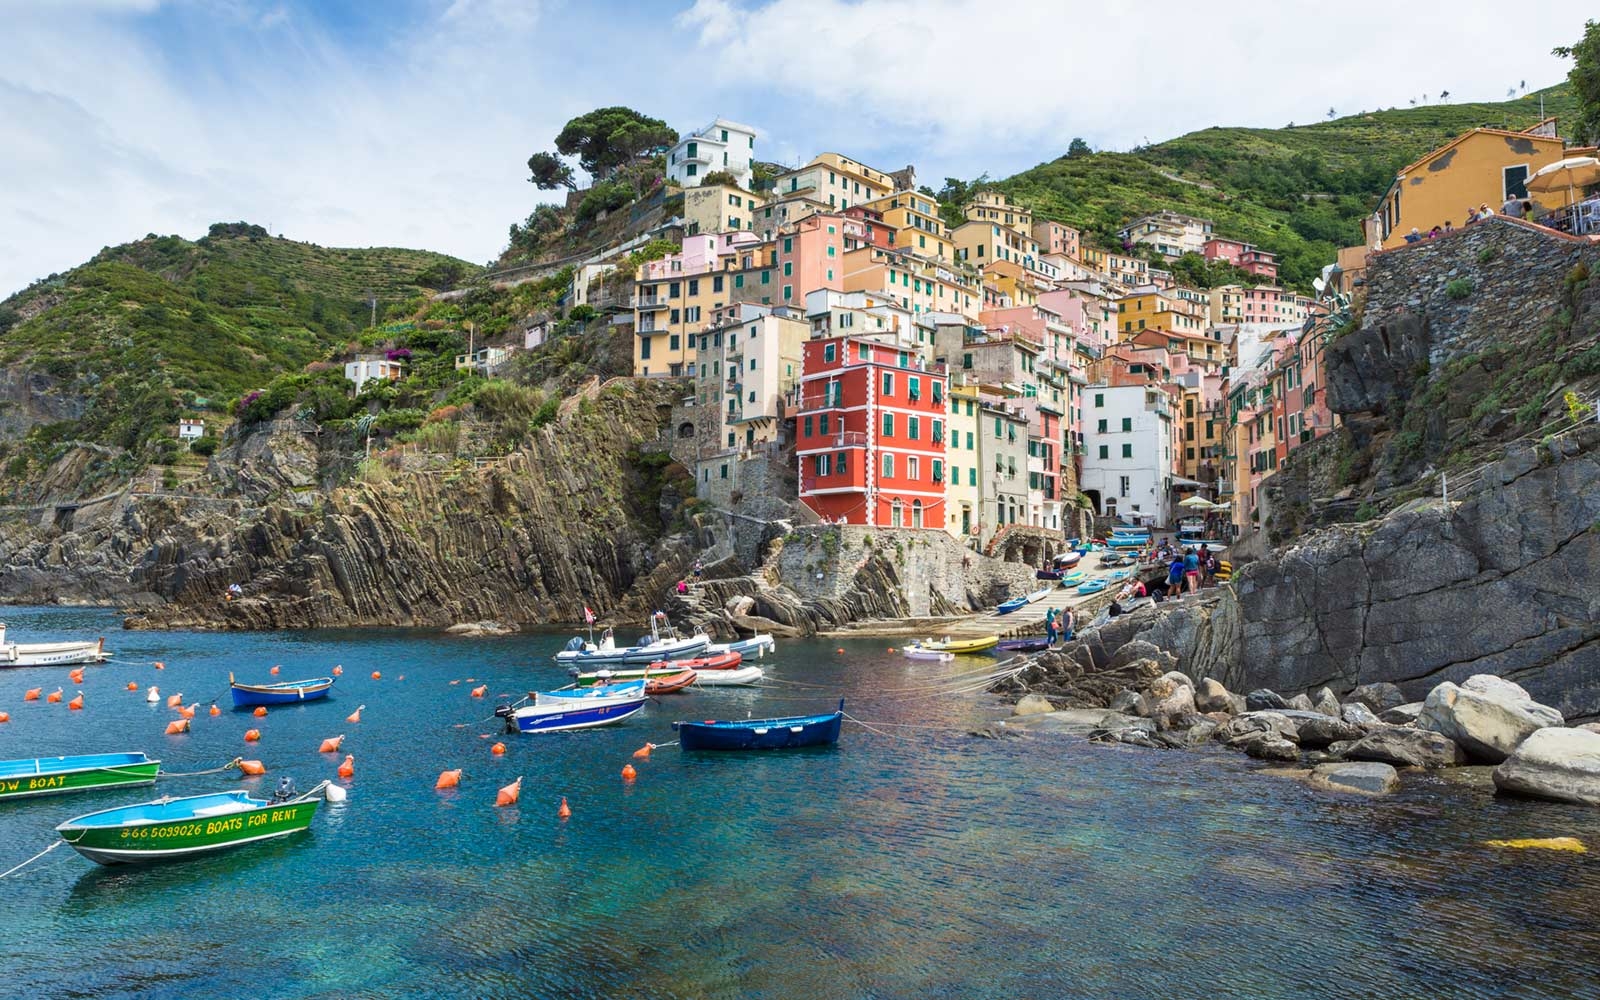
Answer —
762 734
581 708
1011 605
1127 541
1092 587
281 693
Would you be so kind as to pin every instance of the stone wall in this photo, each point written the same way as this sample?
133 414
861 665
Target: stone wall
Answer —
934 573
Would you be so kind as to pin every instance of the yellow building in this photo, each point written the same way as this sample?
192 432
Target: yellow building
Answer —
1486 166
836 181
1153 310
992 206
719 208
919 285
914 220
963 463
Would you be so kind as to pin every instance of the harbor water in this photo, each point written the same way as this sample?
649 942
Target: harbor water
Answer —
912 860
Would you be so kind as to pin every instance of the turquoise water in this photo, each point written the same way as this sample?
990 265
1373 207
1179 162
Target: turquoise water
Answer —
933 865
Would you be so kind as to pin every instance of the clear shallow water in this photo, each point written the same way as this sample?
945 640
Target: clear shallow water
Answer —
934 866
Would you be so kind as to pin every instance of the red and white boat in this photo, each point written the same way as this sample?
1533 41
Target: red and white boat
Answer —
722 661
670 683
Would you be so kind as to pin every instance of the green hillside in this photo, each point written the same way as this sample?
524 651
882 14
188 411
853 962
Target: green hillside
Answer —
144 330
1297 191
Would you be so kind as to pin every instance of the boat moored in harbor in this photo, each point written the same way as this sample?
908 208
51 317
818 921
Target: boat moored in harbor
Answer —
50 654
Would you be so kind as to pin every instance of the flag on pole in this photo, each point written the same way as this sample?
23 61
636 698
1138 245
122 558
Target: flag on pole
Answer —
588 616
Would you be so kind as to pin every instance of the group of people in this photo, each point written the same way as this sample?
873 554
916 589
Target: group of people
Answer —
1189 569
1514 207
1058 625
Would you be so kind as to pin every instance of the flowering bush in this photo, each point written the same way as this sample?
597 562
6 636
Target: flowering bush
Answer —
398 354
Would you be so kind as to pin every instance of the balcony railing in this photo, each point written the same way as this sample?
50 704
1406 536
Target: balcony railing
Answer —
651 302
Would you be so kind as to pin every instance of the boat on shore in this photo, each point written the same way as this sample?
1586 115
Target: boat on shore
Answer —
167 828
737 677
20 779
50 654
1006 607
757 646
1092 586
279 693
762 734
559 711
961 646
663 643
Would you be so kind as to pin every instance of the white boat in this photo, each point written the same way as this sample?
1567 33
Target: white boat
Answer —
663 643
753 648
50 654
558 711
737 677
1039 595
916 652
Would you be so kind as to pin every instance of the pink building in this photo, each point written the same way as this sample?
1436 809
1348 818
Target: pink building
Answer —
811 254
1053 237
1242 255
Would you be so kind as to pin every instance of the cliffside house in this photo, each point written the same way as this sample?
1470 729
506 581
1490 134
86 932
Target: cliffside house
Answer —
191 430
363 370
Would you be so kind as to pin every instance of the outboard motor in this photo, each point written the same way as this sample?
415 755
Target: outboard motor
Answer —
572 671
575 644
285 790
502 711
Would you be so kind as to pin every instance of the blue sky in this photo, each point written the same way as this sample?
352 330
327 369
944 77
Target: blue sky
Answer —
408 122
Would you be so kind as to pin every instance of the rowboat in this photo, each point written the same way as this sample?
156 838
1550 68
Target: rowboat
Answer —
1091 587
50 654
915 651
667 685
1009 606
1039 595
1068 560
558 711
181 827
756 646
605 675
1048 574
960 646
762 734
663 643
281 693
20 779
1128 541
1032 644
722 661
737 677
1076 576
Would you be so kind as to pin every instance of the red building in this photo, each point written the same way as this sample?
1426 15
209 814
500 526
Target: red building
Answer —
869 433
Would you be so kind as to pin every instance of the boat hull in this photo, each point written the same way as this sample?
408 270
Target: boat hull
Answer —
667 685
761 734
61 775
146 840
918 653
287 693
1022 645
587 659
1015 604
558 718
615 676
52 654
1092 587
737 677
963 646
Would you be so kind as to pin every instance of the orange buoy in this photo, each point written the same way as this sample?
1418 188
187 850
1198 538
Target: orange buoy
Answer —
173 701
177 726
188 713
448 779
498 749
252 767
76 704
565 809
5 717
32 694
273 671
454 683
160 665
215 710
53 696
348 768
356 715
480 691
133 685
891 649
251 735
260 712
643 753
337 670
628 773
376 675
332 744
76 676
508 795
839 650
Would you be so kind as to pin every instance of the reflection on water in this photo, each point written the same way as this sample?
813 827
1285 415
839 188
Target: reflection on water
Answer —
924 864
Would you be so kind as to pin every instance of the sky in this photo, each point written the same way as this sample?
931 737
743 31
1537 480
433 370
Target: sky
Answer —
410 122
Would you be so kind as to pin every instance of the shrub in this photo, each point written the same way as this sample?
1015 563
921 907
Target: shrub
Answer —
1459 289
403 418
582 313
508 402
1366 512
546 412
440 436
204 446
607 196
1529 412
1486 255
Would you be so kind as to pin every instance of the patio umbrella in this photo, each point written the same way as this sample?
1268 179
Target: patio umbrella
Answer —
1197 502
1569 174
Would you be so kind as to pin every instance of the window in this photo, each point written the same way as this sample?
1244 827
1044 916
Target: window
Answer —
1099 399
788 292
1127 451
693 146
1123 484
969 440
1105 452
738 281
972 476
997 430
912 468
823 423
672 342
888 425
644 348
809 427
694 168
888 383
888 466
788 268
913 388
828 352
1127 425
694 286
1516 181
724 470
840 462
938 471
819 465
1100 427
913 427
672 290
716 283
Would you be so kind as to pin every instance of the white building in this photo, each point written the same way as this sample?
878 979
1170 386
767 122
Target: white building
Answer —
363 370
1172 234
722 145
1127 453
190 430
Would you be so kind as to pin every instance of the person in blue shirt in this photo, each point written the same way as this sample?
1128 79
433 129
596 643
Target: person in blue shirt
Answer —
1191 570
1175 575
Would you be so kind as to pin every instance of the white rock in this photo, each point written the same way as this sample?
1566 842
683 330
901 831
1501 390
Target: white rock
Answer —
1175 705
1487 716
1033 704
1554 763
1369 778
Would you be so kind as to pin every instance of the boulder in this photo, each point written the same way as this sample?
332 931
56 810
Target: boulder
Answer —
1487 716
1073 721
1264 699
1322 731
1241 729
1401 715
1269 748
1370 778
1175 705
1211 696
1128 702
1593 727
1302 703
1379 696
1358 714
1325 702
739 604
1406 747
1200 732
1238 703
1177 677
1138 649
1033 704
1552 763
1339 749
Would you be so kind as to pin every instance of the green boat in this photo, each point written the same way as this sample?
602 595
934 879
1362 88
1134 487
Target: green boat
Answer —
195 824
20 779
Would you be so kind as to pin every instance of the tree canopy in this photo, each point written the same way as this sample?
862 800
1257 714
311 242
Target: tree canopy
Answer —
548 171
1585 79
607 138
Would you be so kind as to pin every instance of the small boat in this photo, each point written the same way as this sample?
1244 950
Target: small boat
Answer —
194 824
1069 559
737 677
916 651
1032 644
559 711
663 643
762 734
1039 595
756 646
50 654
20 779
667 685
962 646
721 661
1128 541
1119 574
605 675
1092 586
1076 576
1048 574
280 693
1009 606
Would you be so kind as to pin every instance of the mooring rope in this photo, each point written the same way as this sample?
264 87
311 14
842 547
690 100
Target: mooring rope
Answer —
31 860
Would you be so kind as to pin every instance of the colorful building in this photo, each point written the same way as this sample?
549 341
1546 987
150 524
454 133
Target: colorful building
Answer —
914 219
1056 238
1128 452
718 208
836 180
722 145
1171 234
1245 256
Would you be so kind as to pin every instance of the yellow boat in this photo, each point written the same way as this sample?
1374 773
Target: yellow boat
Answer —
960 646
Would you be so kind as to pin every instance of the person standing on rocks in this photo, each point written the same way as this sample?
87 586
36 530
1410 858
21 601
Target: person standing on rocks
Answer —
1191 570
1050 626
1175 575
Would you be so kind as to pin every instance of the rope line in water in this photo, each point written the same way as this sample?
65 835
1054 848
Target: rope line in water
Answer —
31 860
229 766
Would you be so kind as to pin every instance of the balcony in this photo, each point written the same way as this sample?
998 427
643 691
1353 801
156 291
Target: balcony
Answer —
650 302
811 402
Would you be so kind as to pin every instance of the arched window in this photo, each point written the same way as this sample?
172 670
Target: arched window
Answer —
916 513
896 516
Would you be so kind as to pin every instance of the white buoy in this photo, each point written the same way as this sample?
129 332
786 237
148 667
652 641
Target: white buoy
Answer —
153 695
333 793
